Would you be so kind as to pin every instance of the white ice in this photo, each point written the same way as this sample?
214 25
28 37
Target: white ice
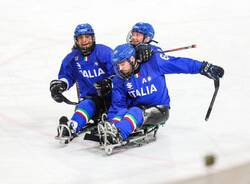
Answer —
36 35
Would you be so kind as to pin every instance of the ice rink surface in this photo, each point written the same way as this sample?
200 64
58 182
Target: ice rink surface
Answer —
37 35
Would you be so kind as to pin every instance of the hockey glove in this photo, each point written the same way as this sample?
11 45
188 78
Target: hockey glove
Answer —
143 52
56 89
103 87
211 71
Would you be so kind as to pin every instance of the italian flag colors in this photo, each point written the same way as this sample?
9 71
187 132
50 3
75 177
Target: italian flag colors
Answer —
137 75
116 119
86 58
83 114
131 119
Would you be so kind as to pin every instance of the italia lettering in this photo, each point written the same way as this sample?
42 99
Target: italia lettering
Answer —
138 93
148 90
92 73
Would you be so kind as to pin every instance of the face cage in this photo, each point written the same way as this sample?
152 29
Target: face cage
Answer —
129 36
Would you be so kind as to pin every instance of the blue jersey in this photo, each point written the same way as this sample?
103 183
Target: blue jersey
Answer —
148 86
86 70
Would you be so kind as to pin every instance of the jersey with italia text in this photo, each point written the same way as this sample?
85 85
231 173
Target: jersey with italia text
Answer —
86 70
148 86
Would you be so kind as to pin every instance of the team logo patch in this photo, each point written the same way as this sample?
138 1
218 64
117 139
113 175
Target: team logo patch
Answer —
129 85
76 58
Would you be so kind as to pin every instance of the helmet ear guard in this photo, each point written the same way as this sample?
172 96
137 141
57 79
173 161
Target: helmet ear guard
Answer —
134 64
147 40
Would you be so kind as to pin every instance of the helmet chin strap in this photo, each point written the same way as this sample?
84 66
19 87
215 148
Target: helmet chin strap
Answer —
135 66
148 41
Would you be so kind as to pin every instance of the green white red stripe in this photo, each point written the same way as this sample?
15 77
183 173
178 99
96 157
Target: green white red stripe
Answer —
86 58
116 119
137 75
83 113
131 119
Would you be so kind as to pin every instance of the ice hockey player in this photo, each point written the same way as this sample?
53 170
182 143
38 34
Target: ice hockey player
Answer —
87 64
140 94
141 36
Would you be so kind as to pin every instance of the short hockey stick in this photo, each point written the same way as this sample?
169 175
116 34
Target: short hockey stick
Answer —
180 48
67 101
216 88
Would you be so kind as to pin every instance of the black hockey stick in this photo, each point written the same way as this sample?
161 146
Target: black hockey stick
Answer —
216 88
67 101
177 49
180 48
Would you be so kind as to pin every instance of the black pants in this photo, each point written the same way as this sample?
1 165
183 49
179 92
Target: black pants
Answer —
102 106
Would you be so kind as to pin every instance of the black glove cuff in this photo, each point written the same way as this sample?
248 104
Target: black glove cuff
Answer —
60 85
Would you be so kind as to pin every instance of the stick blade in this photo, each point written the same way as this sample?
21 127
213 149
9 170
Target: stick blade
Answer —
208 114
216 86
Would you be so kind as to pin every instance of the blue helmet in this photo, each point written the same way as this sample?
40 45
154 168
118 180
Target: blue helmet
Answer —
83 29
145 28
120 54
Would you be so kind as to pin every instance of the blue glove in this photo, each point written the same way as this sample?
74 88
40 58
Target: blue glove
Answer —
211 71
